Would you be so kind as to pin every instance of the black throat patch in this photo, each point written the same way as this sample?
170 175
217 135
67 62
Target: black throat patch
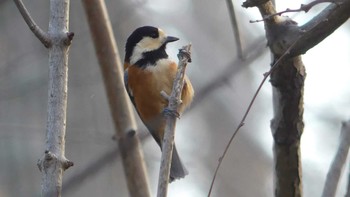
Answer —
151 57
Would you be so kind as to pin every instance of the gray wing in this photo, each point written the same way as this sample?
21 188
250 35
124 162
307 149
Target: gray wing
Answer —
126 77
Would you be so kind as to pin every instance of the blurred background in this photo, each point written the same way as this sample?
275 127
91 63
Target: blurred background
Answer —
224 84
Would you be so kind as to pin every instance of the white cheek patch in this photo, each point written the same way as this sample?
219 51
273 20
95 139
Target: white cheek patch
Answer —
136 55
150 44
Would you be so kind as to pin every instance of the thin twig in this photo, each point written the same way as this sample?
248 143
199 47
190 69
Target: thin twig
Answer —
171 116
38 32
331 184
235 28
241 124
303 7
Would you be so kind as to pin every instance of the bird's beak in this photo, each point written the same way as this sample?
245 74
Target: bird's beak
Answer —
171 39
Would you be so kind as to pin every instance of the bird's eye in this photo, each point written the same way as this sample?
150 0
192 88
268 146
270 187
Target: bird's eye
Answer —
154 35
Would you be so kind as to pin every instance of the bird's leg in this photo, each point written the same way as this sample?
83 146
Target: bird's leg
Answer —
167 111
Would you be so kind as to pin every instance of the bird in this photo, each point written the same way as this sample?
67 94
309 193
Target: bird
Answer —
148 70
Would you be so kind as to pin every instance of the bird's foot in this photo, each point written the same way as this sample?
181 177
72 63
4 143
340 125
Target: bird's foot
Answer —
171 112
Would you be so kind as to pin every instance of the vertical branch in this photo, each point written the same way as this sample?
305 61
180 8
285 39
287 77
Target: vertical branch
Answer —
287 126
53 163
58 40
287 82
235 28
125 126
170 115
335 170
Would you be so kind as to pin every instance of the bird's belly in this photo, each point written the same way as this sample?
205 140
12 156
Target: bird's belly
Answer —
148 99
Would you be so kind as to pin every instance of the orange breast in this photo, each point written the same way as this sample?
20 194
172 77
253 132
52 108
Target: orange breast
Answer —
146 85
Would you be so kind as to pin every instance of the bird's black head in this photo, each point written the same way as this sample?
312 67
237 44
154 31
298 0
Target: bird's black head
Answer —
146 45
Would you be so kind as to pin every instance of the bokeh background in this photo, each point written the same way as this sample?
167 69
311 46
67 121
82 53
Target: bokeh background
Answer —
223 82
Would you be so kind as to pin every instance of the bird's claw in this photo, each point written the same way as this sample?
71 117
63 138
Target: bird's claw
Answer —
187 54
170 112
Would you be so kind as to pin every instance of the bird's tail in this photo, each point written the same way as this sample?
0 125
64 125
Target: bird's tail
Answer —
177 169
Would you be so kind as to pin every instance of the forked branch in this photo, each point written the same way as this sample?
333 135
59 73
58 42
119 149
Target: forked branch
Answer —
38 32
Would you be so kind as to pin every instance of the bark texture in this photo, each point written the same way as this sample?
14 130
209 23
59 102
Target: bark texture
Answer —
287 126
54 162
57 40
286 37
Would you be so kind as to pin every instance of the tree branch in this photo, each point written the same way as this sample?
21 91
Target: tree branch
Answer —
321 26
311 33
53 162
170 115
288 87
303 7
335 170
121 110
38 32
288 82
235 28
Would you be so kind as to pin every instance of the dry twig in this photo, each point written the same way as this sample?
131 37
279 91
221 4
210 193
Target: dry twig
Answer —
303 7
171 114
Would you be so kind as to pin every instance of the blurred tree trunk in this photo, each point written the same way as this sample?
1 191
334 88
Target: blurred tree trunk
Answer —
333 176
287 41
348 187
57 40
122 114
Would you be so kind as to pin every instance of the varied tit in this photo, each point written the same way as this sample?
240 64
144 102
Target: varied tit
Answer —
148 71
